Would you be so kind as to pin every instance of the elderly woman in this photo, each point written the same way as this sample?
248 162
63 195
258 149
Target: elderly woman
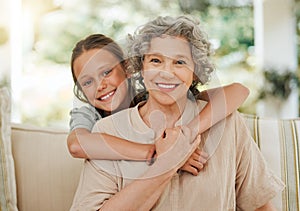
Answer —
173 55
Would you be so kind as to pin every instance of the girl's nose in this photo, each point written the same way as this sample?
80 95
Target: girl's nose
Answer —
102 85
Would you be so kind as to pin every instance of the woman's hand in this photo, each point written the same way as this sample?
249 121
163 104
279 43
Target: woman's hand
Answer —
173 141
173 149
195 163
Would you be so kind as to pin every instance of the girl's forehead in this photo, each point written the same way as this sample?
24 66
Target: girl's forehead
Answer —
93 60
170 46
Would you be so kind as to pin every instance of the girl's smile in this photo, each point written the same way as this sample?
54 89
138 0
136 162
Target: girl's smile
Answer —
107 96
102 79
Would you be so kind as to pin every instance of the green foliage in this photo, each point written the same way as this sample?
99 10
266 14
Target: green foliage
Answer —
3 35
297 15
61 29
279 85
232 26
58 31
4 81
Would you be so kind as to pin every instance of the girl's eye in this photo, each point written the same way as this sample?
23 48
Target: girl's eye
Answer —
106 73
180 62
87 83
155 60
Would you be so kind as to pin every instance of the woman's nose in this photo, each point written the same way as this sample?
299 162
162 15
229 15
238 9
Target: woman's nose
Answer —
166 74
168 71
168 66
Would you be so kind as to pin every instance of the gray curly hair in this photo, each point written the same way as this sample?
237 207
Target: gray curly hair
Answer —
183 26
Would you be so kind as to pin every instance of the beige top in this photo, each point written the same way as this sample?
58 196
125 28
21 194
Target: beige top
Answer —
235 178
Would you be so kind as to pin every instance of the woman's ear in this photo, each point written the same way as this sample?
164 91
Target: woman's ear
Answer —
142 62
195 78
142 72
126 68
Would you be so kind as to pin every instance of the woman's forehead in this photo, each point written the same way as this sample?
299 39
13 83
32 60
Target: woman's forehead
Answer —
170 46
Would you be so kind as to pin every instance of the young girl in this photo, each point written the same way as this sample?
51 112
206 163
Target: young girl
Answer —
98 69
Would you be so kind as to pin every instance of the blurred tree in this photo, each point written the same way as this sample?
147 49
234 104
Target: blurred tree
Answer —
4 81
61 29
60 24
231 27
297 14
3 35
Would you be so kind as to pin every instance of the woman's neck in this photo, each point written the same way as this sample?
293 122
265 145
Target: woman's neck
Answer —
159 117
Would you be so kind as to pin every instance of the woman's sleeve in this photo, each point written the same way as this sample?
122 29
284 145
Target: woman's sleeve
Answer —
94 189
256 184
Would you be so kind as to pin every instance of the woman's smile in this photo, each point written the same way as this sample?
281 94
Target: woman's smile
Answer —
167 87
168 69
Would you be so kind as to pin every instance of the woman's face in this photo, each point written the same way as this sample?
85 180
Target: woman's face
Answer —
168 69
101 78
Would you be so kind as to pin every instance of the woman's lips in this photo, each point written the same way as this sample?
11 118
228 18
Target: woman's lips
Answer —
165 86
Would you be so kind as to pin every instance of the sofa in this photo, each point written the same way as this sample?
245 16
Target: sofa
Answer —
38 173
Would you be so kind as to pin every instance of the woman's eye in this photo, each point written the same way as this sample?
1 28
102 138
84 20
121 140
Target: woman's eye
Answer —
107 72
155 60
181 62
87 83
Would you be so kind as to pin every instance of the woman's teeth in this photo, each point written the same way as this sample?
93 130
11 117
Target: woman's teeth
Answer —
166 86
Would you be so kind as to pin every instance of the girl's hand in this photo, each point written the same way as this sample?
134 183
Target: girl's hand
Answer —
195 163
151 156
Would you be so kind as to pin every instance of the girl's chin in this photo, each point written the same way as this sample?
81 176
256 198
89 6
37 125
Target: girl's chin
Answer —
109 106
109 109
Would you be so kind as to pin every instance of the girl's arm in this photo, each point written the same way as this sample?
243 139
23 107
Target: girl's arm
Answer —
84 144
222 101
143 193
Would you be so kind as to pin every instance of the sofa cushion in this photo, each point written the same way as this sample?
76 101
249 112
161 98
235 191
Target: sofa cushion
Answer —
8 199
278 140
46 174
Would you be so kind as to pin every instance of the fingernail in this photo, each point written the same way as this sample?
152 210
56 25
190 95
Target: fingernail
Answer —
151 161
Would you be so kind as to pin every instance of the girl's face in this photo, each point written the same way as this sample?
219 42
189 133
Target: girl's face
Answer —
101 78
168 69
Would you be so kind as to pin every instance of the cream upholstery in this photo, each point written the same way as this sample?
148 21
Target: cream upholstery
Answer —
47 176
278 140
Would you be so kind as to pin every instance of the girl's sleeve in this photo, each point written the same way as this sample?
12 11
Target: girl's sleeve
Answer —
83 117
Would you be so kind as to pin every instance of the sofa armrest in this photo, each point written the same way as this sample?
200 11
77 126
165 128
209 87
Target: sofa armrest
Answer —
46 175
